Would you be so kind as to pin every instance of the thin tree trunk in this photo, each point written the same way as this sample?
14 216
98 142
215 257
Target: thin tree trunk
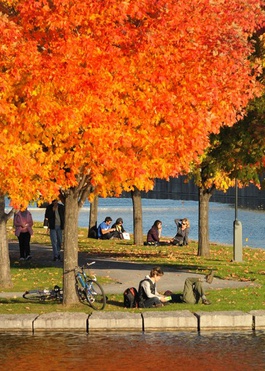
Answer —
137 216
93 217
70 247
5 273
203 238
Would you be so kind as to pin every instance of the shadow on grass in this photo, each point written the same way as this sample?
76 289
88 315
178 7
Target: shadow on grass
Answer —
109 261
115 303
12 301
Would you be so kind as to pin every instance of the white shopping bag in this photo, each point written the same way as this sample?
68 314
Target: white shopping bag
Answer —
126 235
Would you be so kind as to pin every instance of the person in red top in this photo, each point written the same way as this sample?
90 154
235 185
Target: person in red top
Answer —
154 235
23 230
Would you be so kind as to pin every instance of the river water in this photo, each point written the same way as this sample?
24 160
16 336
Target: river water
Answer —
221 218
241 351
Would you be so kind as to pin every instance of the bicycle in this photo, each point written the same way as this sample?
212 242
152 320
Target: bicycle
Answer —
55 294
88 289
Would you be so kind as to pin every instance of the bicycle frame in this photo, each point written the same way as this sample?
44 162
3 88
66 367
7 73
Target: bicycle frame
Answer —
83 277
88 289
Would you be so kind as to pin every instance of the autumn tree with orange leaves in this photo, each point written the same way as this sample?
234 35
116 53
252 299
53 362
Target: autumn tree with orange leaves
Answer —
236 152
112 94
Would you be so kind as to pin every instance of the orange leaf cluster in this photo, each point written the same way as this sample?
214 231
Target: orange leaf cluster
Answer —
118 91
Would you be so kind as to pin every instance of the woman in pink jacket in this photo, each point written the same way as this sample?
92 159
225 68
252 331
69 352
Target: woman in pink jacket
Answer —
23 230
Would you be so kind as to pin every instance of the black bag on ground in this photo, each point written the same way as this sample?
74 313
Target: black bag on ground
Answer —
93 232
130 297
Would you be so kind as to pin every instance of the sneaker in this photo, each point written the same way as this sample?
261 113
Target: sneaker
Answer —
28 257
209 277
21 259
206 302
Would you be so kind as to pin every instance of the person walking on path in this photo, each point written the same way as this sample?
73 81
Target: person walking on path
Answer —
23 224
55 215
193 290
148 294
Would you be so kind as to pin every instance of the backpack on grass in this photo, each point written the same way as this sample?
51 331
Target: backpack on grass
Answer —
130 297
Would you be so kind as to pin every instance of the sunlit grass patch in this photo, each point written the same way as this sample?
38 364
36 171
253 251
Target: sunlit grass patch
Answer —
37 275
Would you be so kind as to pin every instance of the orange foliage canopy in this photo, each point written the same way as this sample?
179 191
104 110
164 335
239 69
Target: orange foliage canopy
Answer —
117 92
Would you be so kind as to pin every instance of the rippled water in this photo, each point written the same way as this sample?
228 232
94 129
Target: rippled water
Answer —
131 351
220 221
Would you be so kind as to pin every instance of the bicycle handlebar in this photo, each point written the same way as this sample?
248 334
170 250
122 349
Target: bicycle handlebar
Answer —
85 266
77 267
90 263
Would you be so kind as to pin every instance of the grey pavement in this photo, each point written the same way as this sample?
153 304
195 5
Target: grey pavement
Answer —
123 274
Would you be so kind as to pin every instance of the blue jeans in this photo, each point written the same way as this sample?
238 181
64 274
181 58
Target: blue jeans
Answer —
56 236
149 303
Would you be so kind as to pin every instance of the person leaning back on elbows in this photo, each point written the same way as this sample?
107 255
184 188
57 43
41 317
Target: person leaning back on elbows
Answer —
182 236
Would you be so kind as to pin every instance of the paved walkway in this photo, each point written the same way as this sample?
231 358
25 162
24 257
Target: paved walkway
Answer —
124 274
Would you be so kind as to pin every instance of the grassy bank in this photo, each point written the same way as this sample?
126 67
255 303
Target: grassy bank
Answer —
40 274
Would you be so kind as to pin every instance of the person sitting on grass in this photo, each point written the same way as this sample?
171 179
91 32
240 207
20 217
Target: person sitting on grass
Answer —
105 232
182 235
118 225
154 235
147 292
193 290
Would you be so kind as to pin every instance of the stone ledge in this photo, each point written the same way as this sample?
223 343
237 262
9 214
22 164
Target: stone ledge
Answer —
17 322
182 320
172 320
224 320
258 319
110 321
61 321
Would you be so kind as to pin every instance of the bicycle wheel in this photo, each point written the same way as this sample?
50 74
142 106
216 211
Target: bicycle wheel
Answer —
95 295
36 295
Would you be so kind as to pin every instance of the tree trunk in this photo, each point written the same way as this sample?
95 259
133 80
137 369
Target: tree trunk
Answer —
93 217
137 216
70 247
203 245
5 273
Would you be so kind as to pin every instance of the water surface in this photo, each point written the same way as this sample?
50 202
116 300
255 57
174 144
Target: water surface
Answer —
221 218
134 351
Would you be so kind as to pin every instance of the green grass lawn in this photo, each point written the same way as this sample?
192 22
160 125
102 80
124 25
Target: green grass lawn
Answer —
251 269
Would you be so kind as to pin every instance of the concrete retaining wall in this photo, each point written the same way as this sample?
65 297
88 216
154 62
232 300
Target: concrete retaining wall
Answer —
174 320
224 320
130 321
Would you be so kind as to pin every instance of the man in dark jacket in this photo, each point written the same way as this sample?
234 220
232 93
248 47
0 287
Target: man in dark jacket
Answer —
55 216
